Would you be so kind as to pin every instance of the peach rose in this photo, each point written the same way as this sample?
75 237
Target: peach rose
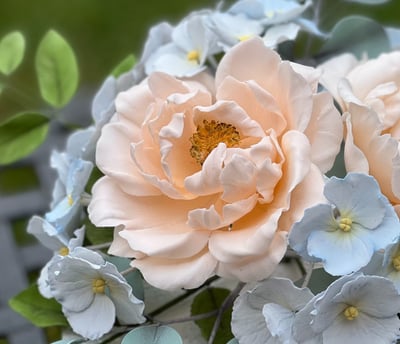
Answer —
205 177
369 94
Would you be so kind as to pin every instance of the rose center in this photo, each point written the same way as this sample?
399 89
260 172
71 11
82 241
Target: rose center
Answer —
351 313
208 135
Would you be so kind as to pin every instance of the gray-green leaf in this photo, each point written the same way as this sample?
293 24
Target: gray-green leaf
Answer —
358 35
40 311
369 2
56 69
12 49
153 335
124 66
20 135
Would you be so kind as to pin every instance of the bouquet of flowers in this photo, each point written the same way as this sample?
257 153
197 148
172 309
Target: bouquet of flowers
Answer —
246 168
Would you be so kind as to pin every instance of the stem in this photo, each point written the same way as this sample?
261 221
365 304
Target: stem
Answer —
226 304
307 277
99 246
186 319
127 271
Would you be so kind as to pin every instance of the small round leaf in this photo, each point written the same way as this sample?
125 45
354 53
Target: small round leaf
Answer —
153 335
12 48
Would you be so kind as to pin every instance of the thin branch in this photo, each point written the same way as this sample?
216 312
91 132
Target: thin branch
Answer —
307 277
99 246
225 305
186 319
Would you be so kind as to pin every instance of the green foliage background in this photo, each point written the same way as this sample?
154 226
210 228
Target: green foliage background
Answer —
101 32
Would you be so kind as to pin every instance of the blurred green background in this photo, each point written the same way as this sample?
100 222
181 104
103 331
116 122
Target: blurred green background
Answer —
102 33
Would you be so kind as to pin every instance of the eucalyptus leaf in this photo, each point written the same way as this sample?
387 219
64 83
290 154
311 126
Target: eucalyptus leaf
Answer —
40 311
124 66
369 2
358 35
153 335
12 49
208 300
134 278
20 135
233 341
56 69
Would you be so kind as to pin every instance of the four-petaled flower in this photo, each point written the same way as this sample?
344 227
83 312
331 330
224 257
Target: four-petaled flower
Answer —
345 235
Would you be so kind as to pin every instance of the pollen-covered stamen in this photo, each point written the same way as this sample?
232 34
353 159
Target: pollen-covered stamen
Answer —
243 38
193 56
208 135
99 286
350 313
396 262
70 200
345 224
63 251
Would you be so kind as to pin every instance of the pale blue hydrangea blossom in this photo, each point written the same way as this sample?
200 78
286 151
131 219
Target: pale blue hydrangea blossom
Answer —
345 234
233 28
192 42
280 17
386 264
59 243
92 293
263 313
355 308
73 174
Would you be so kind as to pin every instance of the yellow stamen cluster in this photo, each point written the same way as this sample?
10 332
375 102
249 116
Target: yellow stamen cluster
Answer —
345 224
99 286
63 251
243 38
351 313
193 56
396 262
208 135
70 200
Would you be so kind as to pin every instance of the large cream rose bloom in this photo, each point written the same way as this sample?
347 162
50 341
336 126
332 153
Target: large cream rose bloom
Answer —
369 93
206 176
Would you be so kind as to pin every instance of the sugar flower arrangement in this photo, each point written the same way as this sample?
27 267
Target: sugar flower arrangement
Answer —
217 158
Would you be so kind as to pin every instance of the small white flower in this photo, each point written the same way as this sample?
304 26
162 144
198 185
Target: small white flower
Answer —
59 243
92 293
192 43
355 308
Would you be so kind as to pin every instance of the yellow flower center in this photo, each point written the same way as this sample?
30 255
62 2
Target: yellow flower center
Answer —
63 251
70 200
208 135
351 313
99 286
396 262
193 56
244 37
345 224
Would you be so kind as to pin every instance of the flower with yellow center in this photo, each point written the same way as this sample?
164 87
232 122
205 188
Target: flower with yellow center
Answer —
350 313
345 234
99 286
193 56
207 137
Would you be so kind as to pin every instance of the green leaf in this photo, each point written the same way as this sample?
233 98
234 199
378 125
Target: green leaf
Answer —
20 135
98 235
124 66
12 49
153 335
56 69
40 311
207 301
369 2
358 35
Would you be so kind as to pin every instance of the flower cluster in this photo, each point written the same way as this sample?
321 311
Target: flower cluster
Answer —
212 159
